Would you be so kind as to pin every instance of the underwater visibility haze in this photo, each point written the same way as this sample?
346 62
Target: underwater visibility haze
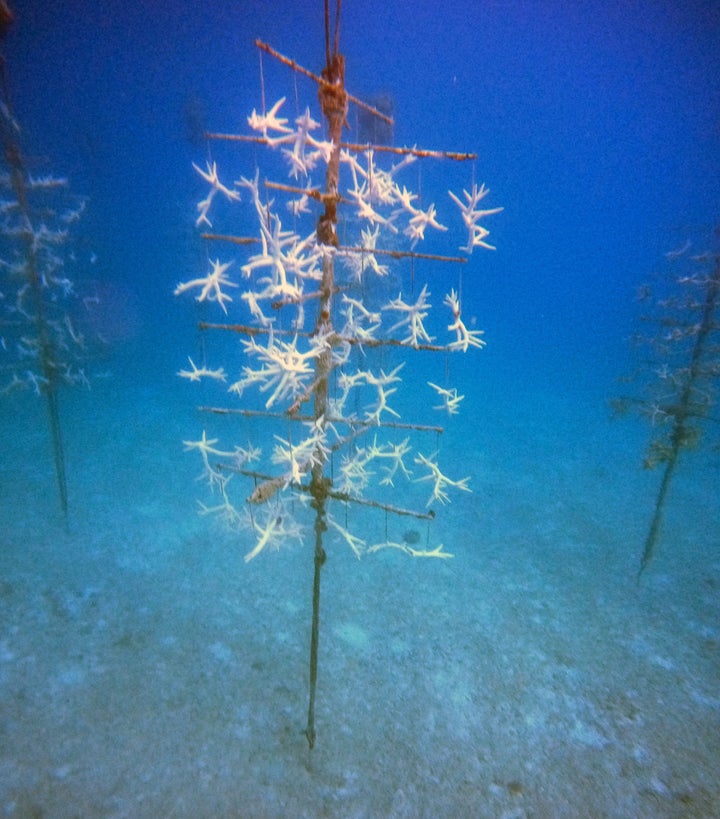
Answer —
359 372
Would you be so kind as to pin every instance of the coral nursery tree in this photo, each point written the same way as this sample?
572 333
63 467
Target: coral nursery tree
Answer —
678 374
42 341
323 344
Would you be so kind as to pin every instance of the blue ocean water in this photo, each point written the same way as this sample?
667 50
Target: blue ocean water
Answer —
145 669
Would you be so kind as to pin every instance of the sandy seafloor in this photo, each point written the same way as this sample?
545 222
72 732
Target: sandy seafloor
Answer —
147 671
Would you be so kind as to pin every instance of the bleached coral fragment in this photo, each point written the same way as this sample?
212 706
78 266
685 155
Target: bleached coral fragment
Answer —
381 382
358 263
245 455
413 316
450 399
277 528
206 448
299 206
211 285
285 369
269 121
354 473
50 181
419 221
374 187
438 551
357 544
464 338
256 312
361 327
196 373
394 453
300 458
471 216
440 481
284 254
216 186
299 160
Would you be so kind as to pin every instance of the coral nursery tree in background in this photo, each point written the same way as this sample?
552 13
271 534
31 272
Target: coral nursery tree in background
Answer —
43 339
318 343
680 366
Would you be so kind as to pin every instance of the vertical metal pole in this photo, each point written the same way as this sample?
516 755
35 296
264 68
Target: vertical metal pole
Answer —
333 100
